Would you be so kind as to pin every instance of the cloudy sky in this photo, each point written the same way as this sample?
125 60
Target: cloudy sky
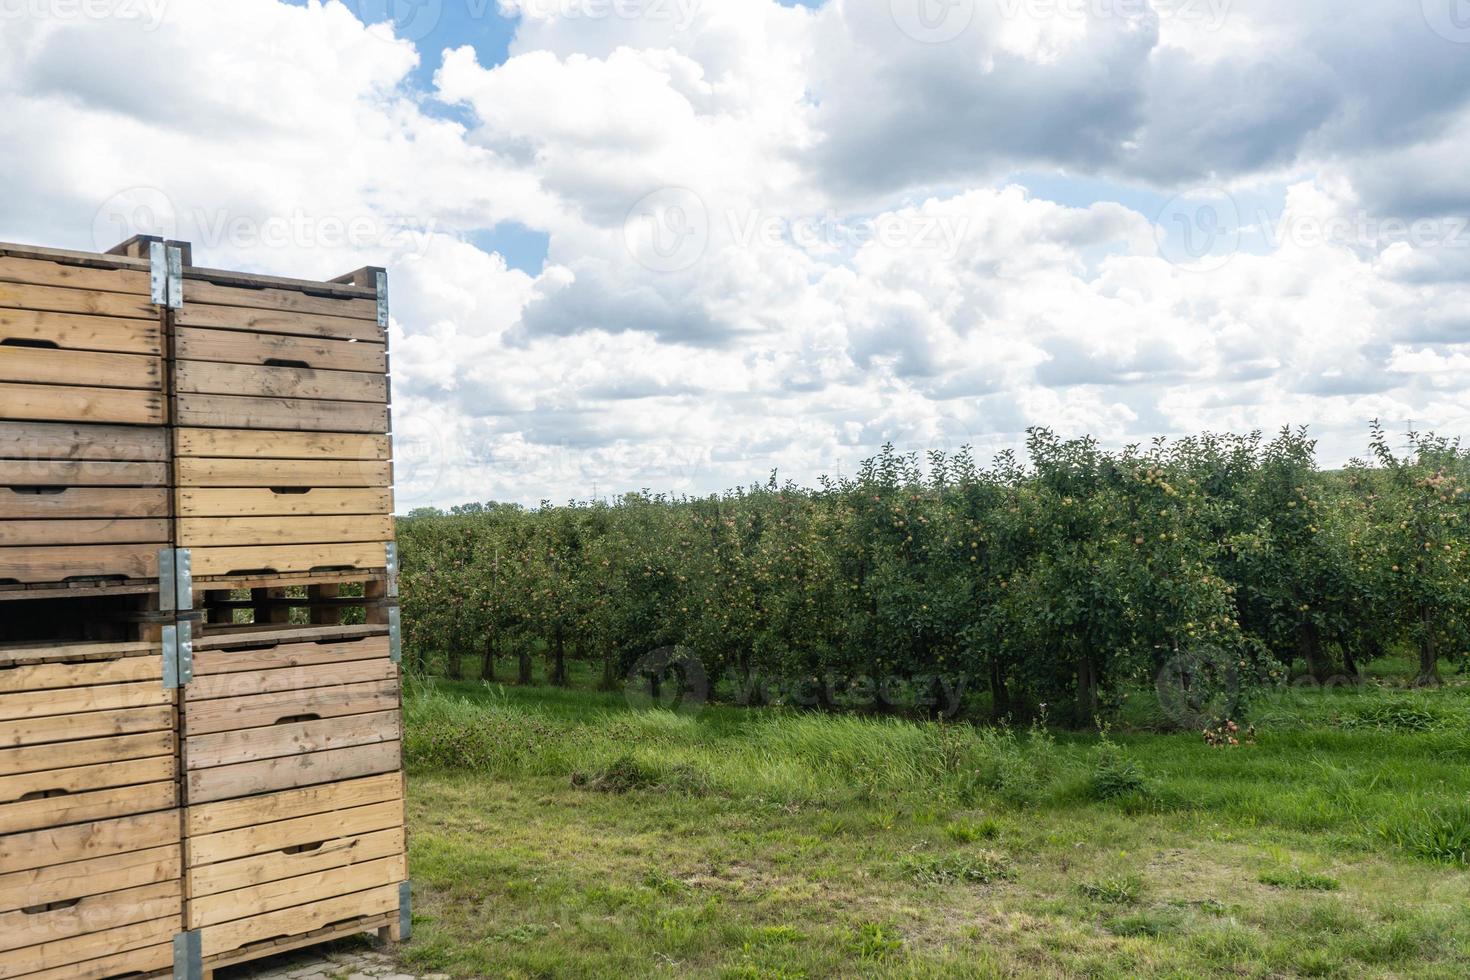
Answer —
677 244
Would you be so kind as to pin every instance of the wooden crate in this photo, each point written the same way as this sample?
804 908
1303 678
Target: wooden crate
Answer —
91 858
283 460
81 344
292 761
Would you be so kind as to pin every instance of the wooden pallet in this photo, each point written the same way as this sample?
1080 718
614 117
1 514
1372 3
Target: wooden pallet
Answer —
91 857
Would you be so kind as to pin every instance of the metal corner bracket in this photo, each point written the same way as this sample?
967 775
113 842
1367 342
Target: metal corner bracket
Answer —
188 956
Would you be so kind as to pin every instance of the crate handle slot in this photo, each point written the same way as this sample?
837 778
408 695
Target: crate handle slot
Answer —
251 571
30 342
297 719
321 847
334 568
40 491
282 362
290 491
345 639
66 903
254 647
44 794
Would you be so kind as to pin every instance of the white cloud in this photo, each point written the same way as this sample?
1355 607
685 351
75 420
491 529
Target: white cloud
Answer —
862 270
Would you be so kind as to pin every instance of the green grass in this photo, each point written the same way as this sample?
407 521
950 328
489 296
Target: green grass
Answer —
558 833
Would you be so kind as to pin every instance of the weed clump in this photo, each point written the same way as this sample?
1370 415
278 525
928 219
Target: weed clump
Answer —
1123 889
974 867
1295 879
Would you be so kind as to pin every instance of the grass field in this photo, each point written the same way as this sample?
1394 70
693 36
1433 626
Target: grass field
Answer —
562 834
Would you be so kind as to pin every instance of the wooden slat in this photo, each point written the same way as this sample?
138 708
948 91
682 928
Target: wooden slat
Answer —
278 300
61 441
99 333
246 778
205 377
230 412
281 473
257 638
286 558
92 260
222 531
242 347
216 818
237 683
92 724
54 651
98 876
314 887
58 564
267 838
30 365
252 502
43 403
72 700
84 502
85 842
29 533
134 962
75 473
53 299
85 752
226 876
99 805
232 935
282 655
282 322
40 677
60 960
255 711
42 273
290 739
84 779
258 444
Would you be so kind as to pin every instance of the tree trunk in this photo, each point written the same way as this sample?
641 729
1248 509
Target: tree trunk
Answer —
1428 651
1309 644
559 661
523 676
1000 698
609 675
456 661
487 658
1086 691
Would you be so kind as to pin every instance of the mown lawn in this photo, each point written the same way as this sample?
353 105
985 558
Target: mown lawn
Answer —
563 834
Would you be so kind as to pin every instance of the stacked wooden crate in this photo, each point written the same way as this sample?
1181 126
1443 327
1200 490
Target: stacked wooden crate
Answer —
90 859
232 452
293 786
83 448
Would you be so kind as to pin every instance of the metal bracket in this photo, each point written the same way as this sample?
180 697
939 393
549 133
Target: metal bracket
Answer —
392 564
166 275
405 913
178 655
175 277
158 272
188 956
395 635
383 300
175 579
